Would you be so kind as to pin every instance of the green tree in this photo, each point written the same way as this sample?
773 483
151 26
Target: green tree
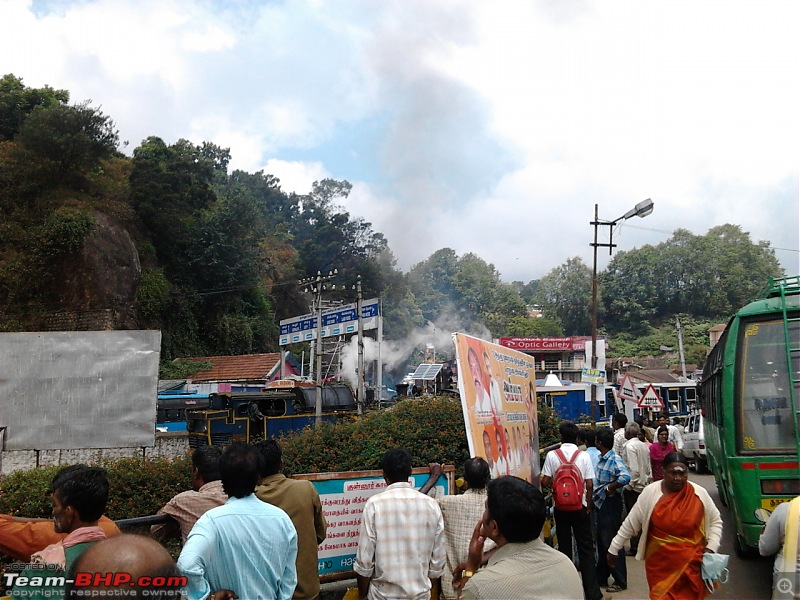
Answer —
67 140
18 101
526 326
431 282
565 295
630 290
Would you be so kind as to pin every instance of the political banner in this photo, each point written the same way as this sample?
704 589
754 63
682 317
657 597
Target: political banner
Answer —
498 399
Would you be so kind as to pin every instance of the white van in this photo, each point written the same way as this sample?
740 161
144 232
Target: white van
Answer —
694 442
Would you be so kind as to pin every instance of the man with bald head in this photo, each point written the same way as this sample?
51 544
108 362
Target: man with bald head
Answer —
141 558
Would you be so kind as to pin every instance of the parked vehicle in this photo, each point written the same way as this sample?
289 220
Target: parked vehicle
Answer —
694 442
750 395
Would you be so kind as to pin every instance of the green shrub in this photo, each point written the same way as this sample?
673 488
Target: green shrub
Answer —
139 487
431 429
152 297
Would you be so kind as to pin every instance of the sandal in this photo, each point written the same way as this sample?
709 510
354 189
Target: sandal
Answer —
612 589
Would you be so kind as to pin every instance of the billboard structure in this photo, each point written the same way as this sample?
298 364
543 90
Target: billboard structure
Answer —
498 397
78 389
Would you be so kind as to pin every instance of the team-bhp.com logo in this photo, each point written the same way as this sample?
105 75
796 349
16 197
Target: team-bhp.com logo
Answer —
86 583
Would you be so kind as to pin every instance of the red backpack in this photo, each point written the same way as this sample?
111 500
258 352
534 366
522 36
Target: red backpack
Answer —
568 485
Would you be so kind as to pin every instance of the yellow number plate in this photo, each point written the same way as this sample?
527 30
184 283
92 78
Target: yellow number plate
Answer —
771 503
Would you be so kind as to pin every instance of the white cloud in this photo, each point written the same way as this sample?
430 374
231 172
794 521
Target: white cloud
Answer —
486 127
297 177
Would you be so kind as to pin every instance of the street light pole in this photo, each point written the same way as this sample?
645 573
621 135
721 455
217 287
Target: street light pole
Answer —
642 209
360 389
316 285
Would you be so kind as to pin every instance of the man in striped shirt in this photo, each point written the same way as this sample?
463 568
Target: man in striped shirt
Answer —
611 476
401 545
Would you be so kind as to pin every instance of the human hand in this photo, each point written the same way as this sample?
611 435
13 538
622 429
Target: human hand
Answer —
475 554
435 469
611 559
458 580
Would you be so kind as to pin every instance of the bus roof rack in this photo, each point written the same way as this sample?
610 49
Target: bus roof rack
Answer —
789 285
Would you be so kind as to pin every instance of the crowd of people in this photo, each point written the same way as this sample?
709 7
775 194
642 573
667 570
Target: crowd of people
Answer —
247 531
636 493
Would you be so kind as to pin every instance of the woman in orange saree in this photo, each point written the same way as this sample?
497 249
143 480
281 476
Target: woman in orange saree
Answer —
679 522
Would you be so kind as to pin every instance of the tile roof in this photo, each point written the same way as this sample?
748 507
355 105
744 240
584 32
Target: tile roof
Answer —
248 367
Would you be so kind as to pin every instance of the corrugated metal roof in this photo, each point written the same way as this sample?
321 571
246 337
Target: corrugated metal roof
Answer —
653 376
247 367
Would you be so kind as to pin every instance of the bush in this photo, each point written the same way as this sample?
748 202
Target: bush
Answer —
431 429
139 487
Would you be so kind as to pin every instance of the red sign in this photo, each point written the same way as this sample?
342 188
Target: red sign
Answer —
651 399
551 344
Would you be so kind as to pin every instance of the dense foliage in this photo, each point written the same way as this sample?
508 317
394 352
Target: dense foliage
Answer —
138 487
218 254
432 429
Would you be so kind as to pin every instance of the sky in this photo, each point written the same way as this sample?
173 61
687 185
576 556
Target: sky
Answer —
486 127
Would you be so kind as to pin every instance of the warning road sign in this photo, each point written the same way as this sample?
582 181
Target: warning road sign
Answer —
627 391
651 399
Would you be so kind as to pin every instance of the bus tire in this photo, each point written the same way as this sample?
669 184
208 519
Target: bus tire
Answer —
741 550
723 496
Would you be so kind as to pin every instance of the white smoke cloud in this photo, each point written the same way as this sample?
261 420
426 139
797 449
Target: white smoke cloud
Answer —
434 339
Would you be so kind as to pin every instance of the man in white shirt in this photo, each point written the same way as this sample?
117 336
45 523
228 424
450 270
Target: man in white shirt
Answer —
636 457
618 422
494 388
577 523
401 544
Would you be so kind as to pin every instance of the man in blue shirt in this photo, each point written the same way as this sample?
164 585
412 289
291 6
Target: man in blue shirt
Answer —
245 548
611 476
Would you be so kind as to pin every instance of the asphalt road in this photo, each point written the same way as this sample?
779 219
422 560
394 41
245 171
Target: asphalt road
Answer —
750 579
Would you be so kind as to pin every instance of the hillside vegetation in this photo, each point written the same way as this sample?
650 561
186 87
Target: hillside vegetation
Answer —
170 238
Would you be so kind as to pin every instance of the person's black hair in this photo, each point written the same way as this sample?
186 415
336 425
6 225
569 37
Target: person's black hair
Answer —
206 460
396 465
568 432
620 419
674 457
83 488
662 428
517 507
271 453
240 469
605 436
476 472
588 437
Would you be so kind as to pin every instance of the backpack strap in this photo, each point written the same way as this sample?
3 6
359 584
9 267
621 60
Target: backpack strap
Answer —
563 459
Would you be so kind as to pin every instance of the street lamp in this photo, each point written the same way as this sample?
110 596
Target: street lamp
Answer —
644 208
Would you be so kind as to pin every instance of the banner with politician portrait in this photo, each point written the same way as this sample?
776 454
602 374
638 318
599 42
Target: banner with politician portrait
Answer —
498 398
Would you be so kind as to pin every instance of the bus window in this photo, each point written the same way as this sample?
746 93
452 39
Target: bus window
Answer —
674 397
691 398
765 409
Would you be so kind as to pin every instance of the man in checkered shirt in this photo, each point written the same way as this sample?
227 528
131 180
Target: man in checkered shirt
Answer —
401 545
460 513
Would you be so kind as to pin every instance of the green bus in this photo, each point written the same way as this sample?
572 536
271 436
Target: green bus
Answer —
749 398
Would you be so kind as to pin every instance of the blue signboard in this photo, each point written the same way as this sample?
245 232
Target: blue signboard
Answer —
335 321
